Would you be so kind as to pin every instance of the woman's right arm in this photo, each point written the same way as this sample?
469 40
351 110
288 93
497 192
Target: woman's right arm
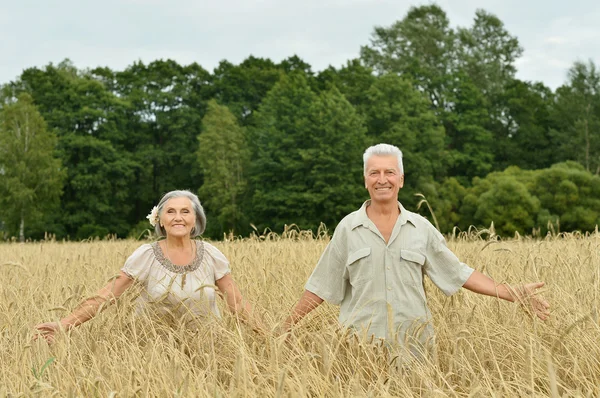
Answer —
89 308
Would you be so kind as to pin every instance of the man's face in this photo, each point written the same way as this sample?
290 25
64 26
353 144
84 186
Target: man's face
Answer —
383 179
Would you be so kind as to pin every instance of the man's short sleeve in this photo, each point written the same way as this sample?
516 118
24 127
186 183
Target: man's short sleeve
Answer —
443 267
328 280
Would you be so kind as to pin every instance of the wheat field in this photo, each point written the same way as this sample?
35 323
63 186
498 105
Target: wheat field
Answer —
485 347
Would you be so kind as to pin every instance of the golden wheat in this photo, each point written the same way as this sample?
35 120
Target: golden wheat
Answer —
485 347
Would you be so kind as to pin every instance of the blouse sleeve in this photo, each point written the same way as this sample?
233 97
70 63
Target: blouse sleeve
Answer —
138 265
217 260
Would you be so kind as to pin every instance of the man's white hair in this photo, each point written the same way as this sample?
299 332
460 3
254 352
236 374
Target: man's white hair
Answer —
383 150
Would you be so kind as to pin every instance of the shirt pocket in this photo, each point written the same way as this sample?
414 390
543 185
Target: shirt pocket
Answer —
359 266
411 267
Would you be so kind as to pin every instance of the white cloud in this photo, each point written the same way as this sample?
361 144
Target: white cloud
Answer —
556 40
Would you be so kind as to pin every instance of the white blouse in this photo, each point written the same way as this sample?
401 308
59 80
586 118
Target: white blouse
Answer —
173 289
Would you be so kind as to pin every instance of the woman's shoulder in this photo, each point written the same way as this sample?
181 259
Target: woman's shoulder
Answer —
146 250
212 251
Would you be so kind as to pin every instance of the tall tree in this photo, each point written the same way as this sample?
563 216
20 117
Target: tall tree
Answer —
224 157
31 177
168 102
420 47
94 127
353 80
307 157
97 200
242 87
576 116
398 114
464 73
468 138
73 101
487 52
526 141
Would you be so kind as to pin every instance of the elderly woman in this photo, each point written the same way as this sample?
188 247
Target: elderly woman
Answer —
178 275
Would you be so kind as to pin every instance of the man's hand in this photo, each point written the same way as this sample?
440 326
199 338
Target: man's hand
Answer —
527 296
308 302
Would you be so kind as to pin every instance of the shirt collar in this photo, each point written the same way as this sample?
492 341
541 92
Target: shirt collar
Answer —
361 218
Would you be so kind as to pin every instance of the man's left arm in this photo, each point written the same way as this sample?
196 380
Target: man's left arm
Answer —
524 294
449 274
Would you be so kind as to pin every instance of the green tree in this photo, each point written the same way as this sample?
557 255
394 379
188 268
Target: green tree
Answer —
504 198
400 115
576 117
445 199
73 101
93 126
97 199
242 87
568 194
420 48
526 141
487 53
509 205
464 73
468 140
307 151
353 80
224 157
31 178
167 103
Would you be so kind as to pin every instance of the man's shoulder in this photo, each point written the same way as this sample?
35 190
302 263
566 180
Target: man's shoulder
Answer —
350 220
418 220
347 223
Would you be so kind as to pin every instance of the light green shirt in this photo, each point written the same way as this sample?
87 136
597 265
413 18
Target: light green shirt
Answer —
380 285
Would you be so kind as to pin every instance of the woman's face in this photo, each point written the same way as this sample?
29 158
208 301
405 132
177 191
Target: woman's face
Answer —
178 217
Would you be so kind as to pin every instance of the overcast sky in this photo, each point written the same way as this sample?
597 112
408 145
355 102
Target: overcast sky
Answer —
115 33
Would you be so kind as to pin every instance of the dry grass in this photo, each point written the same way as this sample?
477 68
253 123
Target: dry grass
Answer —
485 347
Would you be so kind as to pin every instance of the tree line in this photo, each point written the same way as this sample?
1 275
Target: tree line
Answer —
87 153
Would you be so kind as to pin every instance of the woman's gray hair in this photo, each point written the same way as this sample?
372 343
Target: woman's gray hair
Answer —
198 210
383 150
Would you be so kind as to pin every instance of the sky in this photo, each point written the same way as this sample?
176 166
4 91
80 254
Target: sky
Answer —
115 33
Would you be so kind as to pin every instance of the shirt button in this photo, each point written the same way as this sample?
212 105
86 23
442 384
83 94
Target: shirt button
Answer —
389 288
388 268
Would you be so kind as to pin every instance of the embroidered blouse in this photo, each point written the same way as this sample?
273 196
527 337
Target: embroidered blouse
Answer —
177 290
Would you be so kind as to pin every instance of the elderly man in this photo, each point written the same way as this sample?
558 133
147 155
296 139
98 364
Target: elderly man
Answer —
375 262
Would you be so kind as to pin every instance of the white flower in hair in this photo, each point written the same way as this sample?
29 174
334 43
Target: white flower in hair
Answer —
153 216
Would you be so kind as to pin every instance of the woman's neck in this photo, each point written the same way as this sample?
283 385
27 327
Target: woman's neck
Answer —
178 243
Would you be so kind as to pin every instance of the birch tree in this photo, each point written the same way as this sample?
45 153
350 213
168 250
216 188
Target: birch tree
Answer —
31 177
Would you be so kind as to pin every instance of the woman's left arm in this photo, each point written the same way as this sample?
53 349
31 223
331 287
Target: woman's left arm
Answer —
237 304
483 284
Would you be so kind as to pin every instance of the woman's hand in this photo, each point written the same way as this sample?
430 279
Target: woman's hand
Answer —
238 306
47 330
88 309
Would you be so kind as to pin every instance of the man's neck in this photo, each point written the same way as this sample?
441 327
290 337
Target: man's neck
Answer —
383 209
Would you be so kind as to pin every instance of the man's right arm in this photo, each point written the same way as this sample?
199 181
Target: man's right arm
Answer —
308 302
327 281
